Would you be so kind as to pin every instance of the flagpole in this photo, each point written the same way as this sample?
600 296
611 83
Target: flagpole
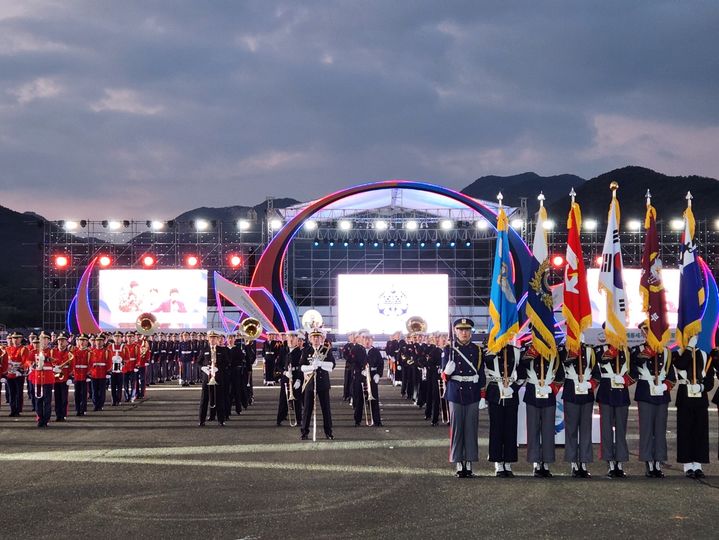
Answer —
614 186
573 195
694 350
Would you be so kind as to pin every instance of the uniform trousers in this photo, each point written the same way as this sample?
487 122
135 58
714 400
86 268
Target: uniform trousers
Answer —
217 393
141 381
61 393
15 387
578 432
80 397
128 385
116 388
463 431
282 408
613 424
503 431
653 431
693 433
43 404
308 408
98 386
540 434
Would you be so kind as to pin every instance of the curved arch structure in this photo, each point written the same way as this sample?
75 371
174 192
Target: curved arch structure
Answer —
276 305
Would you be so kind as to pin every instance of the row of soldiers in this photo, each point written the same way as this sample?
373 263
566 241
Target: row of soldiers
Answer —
477 380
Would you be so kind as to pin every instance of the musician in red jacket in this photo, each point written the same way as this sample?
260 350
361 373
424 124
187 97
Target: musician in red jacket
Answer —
42 378
80 373
144 354
129 368
100 366
61 359
19 360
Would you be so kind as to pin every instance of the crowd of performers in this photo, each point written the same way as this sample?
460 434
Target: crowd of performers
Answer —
477 380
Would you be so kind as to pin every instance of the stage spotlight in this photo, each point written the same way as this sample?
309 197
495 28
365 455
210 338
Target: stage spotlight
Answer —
482 224
201 225
114 225
310 225
468 244
344 225
517 223
316 243
275 224
558 261
191 261
421 244
156 225
446 224
452 244
716 224
104 260
391 244
408 244
361 244
243 224
411 225
438 244
590 224
236 260
346 244
61 261
148 261
634 225
70 225
376 244
548 225
332 244
598 260
381 225
676 224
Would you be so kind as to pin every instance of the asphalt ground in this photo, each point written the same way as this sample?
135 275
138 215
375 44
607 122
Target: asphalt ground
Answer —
146 470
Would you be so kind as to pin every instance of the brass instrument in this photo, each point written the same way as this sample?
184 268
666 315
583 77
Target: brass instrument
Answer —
290 395
211 382
39 367
251 328
58 369
116 360
368 397
416 324
146 324
321 355
443 405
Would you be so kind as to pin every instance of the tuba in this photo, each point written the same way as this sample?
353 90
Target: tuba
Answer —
416 324
146 324
251 328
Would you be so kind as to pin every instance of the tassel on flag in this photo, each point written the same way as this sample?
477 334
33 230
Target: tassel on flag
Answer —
651 286
610 278
576 308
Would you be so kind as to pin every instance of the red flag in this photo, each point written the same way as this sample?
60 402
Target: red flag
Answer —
576 309
651 286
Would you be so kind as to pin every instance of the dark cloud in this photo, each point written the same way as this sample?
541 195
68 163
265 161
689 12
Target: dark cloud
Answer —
146 109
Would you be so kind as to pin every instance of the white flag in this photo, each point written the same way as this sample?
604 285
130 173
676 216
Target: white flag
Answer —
610 280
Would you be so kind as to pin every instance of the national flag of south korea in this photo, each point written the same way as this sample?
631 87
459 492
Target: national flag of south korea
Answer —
610 280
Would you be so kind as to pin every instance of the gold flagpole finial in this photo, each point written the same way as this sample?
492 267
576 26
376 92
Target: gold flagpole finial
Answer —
689 199
649 198
541 198
614 186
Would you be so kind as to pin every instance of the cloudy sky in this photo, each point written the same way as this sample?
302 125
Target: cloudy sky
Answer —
144 109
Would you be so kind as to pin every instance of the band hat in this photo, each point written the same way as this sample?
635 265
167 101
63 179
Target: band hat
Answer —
118 333
35 340
16 335
463 324
60 336
83 337
44 335
317 332
213 333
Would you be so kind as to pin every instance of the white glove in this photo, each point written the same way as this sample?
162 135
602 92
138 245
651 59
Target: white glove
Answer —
618 379
583 386
546 389
696 388
376 378
482 404
107 376
88 379
508 391
663 387
450 367
136 370
316 362
3 380
296 386
364 373
69 382
56 369
288 374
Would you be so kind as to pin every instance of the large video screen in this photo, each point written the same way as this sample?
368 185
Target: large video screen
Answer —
635 315
177 298
383 303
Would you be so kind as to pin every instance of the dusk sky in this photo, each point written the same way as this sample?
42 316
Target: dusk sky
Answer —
145 109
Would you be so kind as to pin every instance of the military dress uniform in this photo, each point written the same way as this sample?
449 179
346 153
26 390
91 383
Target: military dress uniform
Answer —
434 367
42 378
237 377
99 370
61 358
655 379
358 366
292 381
184 349
117 353
578 397
129 370
80 374
316 365
213 395
695 377
504 379
19 360
463 371
346 354
612 373
375 364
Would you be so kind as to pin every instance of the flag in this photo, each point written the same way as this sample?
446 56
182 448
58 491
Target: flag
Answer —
539 307
504 319
611 282
651 286
691 288
576 308
710 318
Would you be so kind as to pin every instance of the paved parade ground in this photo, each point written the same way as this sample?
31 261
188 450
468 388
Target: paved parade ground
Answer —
146 470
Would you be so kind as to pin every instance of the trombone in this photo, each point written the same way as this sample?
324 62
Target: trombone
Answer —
368 397
39 367
58 369
211 382
290 395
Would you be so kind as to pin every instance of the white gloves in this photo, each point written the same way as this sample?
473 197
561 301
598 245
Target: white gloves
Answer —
327 366
450 367
662 387
3 380
107 376
56 369
695 388
583 386
69 382
507 392
136 370
618 379
482 404
316 363
288 374
376 378
364 373
88 379
296 386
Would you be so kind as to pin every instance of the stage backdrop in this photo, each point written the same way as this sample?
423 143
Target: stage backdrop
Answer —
382 303
178 298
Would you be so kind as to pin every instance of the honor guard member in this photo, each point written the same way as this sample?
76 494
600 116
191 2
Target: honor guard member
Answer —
543 382
184 349
100 366
117 355
288 381
19 360
42 378
80 373
578 397
61 360
612 373
295 365
463 372
269 353
505 376
215 367
359 380
695 377
391 349
250 358
434 367
655 380
375 365
347 357
129 367
316 364
237 372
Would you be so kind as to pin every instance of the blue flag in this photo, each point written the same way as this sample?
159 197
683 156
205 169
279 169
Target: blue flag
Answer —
706 341
504 319
691 286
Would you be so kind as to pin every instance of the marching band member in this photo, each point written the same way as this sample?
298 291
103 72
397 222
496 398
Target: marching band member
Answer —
129 367
250 358
185 351
543 383
288 380
505 376
80 375
392 351
42 378
655 379
375 365
237 373
695 376
270 351
317 363
19 360
434 367
347 356
117 355
578 397
144 356
215 367
100 366
612 372
463 372
358 364
61 359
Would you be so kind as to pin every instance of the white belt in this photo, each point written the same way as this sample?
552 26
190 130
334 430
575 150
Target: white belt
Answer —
99 364
79 366
465 378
